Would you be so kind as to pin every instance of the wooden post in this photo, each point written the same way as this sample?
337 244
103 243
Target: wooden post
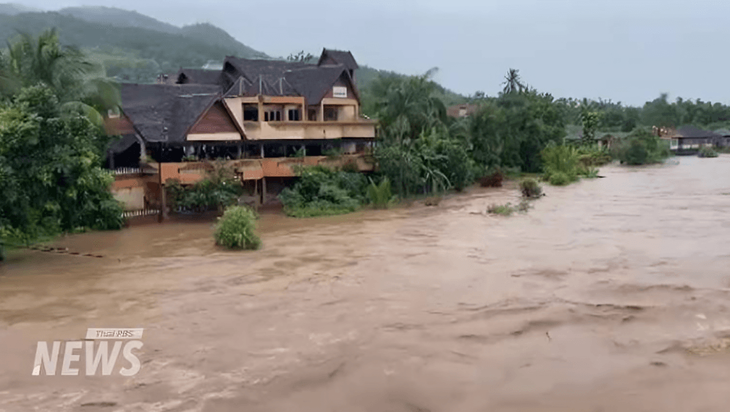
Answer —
256 195
163 213
263 190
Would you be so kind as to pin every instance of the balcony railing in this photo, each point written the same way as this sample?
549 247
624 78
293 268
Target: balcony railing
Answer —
300 130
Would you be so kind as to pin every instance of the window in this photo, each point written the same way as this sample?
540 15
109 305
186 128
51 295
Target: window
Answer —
312 114
251 112
330 114
294 115
273 116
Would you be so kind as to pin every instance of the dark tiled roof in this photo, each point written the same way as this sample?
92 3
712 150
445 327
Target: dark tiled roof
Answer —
198 76
315 81
341 57
164 112
245 77
269 70
692 132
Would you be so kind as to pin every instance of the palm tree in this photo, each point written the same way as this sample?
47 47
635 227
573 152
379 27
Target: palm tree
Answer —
512 82
80 85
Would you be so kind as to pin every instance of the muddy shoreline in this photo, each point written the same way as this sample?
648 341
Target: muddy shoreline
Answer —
610 294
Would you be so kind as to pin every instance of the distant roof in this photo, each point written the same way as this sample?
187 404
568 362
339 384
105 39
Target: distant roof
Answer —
165 112
456 110
692 132
198 76
339 56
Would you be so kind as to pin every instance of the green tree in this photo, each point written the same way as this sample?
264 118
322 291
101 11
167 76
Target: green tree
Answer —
512 82
590 122
80 86
50 171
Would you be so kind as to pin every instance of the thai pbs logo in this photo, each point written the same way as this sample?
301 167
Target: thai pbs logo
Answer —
95 351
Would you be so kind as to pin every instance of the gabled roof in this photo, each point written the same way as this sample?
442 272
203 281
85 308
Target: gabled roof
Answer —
269 70
338 56
165 112
245 77
315 81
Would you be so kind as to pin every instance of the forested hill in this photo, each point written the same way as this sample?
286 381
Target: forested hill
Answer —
136 48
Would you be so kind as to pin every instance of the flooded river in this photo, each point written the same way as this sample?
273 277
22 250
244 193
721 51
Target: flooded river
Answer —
610 294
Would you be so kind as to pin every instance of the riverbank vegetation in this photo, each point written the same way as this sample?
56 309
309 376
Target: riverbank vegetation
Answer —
51 143
641 147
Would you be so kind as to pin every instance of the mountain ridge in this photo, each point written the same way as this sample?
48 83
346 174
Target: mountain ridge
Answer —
137 48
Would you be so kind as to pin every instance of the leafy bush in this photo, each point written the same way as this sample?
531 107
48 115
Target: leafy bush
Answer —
216 191
588 172
642 147
593 156
380 195
322 191
530 188
707 151
560 179
236 229
562 161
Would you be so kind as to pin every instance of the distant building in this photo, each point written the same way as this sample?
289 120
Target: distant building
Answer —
462 110
689 139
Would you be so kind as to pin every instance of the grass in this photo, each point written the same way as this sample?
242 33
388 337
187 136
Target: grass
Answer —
508 209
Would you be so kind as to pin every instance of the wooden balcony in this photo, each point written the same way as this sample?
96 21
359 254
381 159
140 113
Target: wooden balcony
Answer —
303 130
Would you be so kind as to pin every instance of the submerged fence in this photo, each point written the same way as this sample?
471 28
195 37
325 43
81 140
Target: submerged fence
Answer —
140 213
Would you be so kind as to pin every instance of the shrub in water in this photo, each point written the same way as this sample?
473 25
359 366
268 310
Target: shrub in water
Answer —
562 160
707 151
530 188
322 191
504 210
380 195
560 179
236 229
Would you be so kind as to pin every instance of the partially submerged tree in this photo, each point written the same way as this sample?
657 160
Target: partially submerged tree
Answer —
50 171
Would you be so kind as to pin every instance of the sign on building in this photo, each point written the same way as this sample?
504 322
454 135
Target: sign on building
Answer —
340 92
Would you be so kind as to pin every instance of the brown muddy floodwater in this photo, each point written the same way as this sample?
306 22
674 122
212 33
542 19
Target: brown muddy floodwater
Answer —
609 295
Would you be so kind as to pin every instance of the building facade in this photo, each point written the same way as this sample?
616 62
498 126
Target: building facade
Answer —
261 116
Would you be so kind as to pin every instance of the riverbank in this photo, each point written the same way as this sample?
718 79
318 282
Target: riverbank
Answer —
610 293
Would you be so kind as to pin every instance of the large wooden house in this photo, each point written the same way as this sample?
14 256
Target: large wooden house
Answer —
262 116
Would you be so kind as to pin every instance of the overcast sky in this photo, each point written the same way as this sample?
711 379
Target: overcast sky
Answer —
624 50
